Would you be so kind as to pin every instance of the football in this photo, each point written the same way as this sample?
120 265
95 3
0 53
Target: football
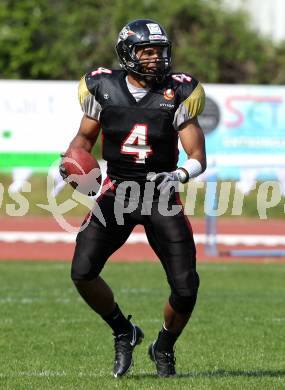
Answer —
83 171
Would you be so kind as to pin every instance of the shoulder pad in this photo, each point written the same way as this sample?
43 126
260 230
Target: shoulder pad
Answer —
184 81
191 93
92 78
182 78
100 71
89 83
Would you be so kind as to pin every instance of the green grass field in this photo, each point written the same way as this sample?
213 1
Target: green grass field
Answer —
49 339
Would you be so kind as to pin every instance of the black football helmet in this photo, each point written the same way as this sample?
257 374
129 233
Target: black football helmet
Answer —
141 33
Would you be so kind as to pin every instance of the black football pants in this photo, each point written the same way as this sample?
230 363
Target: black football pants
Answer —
170 236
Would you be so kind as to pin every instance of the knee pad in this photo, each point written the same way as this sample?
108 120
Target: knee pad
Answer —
184 302
82 270
77 276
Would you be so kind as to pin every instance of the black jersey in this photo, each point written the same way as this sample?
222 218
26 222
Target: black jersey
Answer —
139 137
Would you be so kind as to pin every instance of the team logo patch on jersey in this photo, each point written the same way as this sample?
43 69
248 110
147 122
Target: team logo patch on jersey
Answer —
154 28
168 94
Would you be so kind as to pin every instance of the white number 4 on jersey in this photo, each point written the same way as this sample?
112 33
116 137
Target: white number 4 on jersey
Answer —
136 143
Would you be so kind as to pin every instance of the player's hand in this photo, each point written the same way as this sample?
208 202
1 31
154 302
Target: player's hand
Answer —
62 169
165 180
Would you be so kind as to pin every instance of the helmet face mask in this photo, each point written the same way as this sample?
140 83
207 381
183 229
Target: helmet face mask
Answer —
136 37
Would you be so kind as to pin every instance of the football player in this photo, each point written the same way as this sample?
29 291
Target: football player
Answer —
143 109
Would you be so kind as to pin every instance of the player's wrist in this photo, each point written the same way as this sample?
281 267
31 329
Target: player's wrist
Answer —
182 175
190 169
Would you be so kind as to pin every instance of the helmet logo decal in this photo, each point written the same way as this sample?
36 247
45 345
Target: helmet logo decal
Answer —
168 94
125 33
154 28
157 38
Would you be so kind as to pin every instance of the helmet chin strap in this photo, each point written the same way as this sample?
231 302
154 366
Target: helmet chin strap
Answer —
149 78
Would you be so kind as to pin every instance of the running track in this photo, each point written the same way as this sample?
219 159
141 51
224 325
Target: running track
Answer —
58 250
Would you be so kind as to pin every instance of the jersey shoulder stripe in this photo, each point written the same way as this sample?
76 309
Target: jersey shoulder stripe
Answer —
195 102
83 91
89 105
